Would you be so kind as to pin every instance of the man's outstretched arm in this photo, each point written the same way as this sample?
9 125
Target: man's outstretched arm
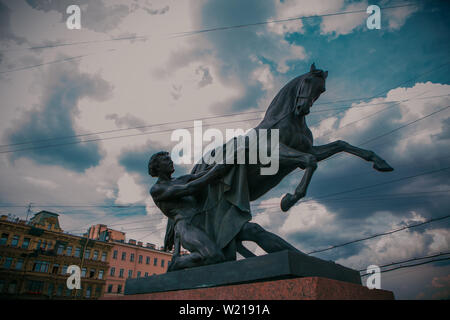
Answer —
172 192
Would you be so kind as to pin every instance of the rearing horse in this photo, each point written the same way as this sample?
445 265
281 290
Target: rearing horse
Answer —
287 113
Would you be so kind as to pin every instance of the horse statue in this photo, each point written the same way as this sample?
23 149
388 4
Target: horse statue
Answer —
287 113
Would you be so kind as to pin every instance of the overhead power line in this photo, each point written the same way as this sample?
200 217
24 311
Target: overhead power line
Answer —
409 260
380 234
159 131
403 126
53 62
123 136
207 30
391 104
411 265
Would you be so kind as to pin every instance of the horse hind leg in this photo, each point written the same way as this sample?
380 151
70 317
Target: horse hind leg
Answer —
292 157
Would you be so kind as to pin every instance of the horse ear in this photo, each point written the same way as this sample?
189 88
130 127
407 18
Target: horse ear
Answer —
313 67
325 74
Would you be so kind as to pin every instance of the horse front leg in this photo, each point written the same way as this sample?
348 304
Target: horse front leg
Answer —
327 150
292 157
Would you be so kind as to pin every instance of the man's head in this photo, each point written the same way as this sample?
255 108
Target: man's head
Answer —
159 163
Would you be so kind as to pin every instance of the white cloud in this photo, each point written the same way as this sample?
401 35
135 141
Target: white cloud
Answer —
344 24
129 191
308 216
365 118
264 76
398 246
336 24
294 8
41 182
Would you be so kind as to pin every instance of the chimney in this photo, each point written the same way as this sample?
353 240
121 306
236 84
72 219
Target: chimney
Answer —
140 243
150 245
132 241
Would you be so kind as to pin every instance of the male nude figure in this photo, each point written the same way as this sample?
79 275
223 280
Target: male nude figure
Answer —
175 198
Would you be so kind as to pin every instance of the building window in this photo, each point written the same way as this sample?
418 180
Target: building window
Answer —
155 261
19 264
41 266
92 273
50 290
64 269
115 254
35 286
119 288
7 264
15 241
83 272
87 254
140 259
12 287
69 251
4 238
98 291
103 256
162 263
49 245
124 255
59 291
121 273
138 274
147 260
26 243
132 257
130 273
88 292
77 252
55 269
49 226
100 274
60 249
95 257
110 288
38 245
146 274
112 272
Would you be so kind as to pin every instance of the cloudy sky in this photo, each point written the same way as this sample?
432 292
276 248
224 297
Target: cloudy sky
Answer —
71 101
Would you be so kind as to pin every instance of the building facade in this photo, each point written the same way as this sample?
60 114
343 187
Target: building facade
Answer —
129 260
35 255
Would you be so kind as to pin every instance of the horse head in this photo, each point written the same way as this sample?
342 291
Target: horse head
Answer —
309 90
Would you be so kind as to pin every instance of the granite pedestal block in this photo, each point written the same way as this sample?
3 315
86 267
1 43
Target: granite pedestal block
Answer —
275 266
308 288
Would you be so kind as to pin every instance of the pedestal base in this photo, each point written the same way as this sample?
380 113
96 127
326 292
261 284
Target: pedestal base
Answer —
274 266
308 288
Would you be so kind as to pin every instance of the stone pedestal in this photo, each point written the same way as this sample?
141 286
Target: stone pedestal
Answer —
284 275
309 288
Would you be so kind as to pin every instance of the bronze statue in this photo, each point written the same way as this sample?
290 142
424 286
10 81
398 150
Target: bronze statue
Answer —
225 206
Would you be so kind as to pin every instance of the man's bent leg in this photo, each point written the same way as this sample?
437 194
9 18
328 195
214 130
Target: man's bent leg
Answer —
203 250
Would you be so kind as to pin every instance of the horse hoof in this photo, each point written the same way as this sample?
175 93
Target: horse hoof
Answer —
382 166
286 202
